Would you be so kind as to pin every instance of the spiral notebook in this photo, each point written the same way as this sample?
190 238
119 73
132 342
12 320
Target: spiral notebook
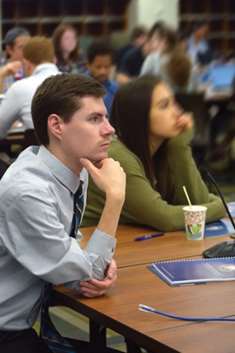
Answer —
195 271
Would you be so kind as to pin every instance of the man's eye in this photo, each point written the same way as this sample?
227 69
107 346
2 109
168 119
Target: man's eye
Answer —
164 105
95 119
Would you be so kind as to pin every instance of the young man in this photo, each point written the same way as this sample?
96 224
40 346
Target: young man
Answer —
198 46
11 65
37 204
100 61
133 60
38 57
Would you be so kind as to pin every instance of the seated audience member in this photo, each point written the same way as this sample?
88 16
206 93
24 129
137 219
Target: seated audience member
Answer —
153 149
11 68
134 58
100 61
69 57
177 72
172 63
198 46
38 57
39 217
166 44
137 38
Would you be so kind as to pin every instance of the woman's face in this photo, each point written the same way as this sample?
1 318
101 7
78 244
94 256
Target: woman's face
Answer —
68 41
164 114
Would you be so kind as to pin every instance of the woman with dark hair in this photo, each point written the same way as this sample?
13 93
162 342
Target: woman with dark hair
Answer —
153 149
68 56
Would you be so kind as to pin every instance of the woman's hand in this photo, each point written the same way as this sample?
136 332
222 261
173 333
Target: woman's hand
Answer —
185 121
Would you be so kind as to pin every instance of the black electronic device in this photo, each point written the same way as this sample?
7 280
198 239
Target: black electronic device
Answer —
226 248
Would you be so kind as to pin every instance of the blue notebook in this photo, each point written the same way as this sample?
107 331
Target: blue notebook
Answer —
195 271
219 228
222 226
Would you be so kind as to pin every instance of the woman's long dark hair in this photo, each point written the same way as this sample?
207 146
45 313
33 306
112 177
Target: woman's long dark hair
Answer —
130 117
56 39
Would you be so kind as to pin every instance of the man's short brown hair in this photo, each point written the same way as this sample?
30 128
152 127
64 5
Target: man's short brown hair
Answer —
39 49
61 94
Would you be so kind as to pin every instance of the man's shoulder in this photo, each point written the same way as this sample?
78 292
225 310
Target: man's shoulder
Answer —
20 86
26 174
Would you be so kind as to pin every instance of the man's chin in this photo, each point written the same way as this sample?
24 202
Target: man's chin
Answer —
99 157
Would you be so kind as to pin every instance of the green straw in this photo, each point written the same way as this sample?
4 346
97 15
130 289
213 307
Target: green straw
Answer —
187 197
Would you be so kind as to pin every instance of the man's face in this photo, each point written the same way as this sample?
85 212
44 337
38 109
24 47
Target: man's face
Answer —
88 134
100 67
15 51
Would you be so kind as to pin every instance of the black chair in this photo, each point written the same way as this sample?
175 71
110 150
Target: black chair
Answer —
30 138
3 167
195 103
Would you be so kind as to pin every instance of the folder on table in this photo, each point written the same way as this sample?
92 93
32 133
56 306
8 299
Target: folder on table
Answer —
195 271
222 226
219 228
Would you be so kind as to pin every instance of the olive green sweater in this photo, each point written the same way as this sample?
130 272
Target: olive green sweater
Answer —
159 207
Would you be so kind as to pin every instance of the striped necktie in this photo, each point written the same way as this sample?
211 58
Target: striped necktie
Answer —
48 332
78 204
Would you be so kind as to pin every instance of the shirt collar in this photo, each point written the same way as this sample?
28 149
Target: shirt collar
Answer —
61 172
45 66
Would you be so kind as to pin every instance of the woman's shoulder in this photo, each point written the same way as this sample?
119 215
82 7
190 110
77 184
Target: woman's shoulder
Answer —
118 149
121 153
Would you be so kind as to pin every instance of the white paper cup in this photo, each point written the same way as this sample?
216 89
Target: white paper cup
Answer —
195 217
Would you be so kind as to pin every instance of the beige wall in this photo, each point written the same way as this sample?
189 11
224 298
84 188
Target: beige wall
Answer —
146 12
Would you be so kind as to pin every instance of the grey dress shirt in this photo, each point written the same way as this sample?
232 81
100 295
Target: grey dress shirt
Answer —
36 213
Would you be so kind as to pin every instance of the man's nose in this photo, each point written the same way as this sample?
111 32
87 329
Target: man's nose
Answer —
107 128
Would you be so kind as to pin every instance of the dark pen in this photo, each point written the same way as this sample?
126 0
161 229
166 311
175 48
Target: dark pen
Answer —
148 236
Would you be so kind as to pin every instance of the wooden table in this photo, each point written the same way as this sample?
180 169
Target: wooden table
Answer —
135 285
170 246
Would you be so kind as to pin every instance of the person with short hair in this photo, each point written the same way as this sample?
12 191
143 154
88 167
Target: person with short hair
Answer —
167 42
11 68
198 46
137 39
153 148
43 196
38 58
133 60
100 61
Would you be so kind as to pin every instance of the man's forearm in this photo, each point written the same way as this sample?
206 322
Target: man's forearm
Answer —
110 216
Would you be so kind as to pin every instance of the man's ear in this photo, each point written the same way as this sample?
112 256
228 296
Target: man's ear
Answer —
55 125
28 67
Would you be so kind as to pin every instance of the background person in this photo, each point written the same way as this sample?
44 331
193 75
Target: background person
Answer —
11 64
100 63
132 62
38 58
137 39
153 149
69 57
198 46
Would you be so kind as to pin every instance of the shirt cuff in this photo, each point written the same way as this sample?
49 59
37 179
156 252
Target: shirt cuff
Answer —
101 244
